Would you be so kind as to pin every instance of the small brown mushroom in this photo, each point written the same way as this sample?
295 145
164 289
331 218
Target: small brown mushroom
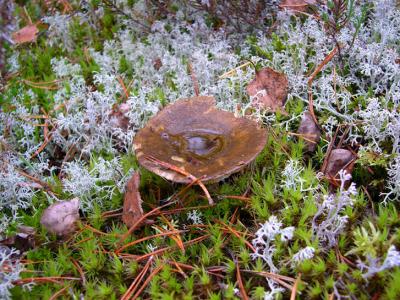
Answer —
195 136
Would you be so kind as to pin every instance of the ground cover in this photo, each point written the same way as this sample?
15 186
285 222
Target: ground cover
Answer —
82 77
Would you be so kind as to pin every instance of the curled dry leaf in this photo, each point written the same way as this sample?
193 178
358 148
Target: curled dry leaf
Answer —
309 131
268 90
132 210
61 217
26 34
339 159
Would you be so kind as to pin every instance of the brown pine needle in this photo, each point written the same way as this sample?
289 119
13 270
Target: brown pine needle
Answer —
94 230
318 69
139 221
80 271
51 279
175 237
237 234
233 71
134 285
121 82
245 199
45 186
281 279
59 293
182 172
240 283
168 249
294 289
150 277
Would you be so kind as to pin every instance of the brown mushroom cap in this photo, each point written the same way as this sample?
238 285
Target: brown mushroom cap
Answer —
195 136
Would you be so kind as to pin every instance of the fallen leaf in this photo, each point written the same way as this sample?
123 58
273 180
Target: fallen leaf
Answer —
23 240
268 89
26 34
309 131
132 210
339 159
296 5
61 217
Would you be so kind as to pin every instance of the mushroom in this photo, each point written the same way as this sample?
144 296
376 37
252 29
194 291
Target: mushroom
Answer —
195 136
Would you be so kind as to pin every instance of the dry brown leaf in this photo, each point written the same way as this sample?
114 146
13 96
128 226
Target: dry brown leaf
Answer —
26 34
269 90
296 5
309 131
132 210
61 217
339 159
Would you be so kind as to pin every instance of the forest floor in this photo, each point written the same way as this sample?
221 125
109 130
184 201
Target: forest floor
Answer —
314 216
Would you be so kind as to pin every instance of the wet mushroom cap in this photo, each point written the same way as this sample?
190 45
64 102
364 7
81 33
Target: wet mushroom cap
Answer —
195 136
